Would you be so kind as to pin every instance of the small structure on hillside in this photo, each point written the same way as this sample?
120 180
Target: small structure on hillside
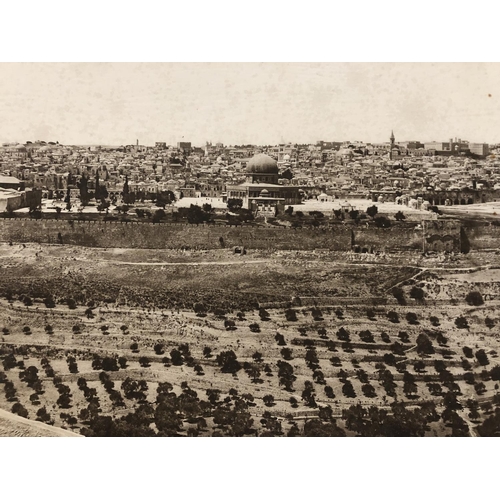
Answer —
441 235
240 250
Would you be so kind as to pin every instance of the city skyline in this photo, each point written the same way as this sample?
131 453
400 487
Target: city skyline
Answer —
248 103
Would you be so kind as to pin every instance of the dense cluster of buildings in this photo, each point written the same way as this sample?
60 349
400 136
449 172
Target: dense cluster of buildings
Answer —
266 179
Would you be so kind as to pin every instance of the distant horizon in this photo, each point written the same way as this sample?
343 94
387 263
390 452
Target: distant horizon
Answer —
248 103
354 141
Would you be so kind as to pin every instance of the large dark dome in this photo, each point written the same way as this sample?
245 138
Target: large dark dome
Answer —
262 164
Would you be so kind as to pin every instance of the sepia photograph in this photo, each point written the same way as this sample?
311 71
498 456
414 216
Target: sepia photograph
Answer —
250 249
249 221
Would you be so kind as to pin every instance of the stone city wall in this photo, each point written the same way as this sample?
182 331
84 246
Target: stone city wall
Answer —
484 237
177 236
171 236
396 238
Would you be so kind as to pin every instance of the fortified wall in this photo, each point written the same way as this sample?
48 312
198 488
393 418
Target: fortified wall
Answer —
485 237
437 237
391 239
171 236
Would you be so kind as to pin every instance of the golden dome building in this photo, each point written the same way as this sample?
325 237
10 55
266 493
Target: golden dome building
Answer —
261 191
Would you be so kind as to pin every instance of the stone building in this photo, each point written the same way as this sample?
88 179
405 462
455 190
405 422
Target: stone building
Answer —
441 235
261 191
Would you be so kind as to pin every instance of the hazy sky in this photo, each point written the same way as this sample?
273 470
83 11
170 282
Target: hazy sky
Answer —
235 103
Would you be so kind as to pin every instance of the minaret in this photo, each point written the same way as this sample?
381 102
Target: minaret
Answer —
392 145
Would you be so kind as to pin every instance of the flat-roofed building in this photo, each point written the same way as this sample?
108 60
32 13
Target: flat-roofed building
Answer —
479 149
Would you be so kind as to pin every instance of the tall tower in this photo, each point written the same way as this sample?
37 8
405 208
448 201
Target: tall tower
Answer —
392 145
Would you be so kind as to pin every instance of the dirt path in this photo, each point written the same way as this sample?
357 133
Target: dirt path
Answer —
472 432
205 263
440 269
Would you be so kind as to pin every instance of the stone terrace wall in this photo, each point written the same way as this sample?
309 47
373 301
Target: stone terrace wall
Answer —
397 238
483 237
171 236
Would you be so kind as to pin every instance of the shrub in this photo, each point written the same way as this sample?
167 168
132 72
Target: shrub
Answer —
490 323
110 364
331 346
343 335
368 391
372 211
144 362
200 309
257 357
329 392
393 317
228 362
495 373
441 339
49 302
482 357
480 388
399 295
424 345
255 328
280 339
335 361
419 366
366 336
468 352
466 365
474 298
348 389
268 400
316 314
417 293
229 325
20 410
322 332
264 315
434 320
382 221
411 317
403 336
397 349
159 349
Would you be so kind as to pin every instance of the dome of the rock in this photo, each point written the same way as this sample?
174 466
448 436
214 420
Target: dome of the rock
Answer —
262 164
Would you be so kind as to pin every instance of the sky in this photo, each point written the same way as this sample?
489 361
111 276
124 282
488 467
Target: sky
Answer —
248 103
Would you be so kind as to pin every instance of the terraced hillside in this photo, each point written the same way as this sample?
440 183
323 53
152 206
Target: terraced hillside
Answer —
102 342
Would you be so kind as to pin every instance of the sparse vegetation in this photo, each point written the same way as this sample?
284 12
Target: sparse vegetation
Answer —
307 353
